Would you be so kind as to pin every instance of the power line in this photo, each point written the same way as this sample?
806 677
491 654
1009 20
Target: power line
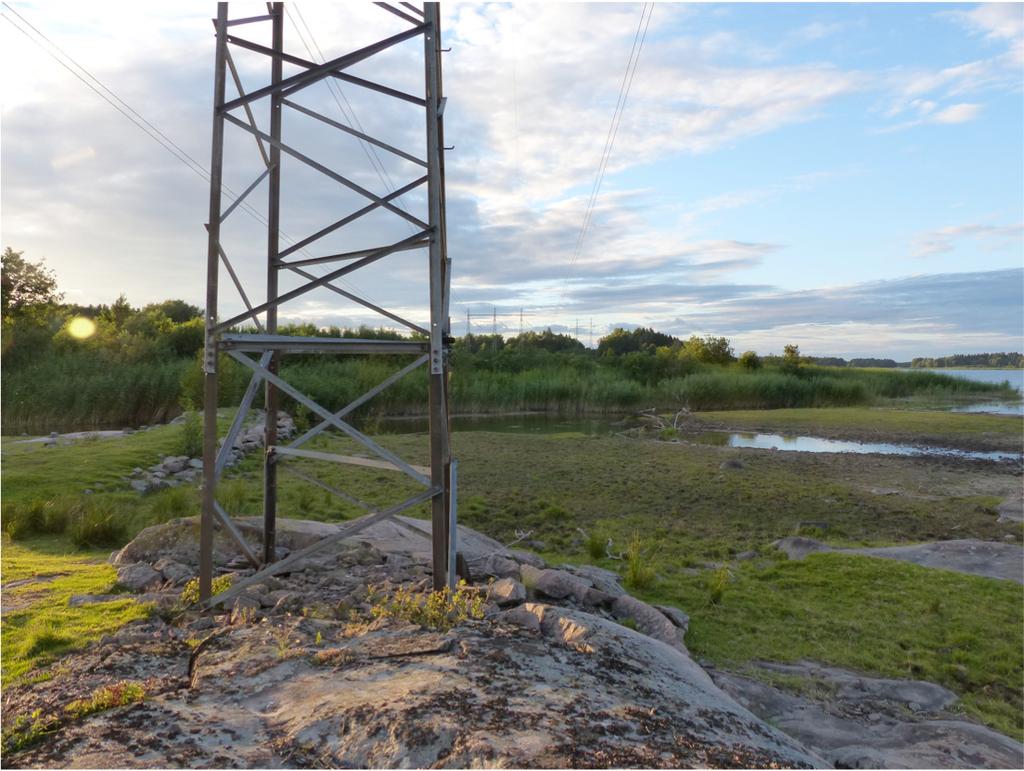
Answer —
613 129
151 130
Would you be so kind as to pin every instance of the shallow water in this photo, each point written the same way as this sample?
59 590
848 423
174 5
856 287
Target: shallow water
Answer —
817 444
602 426
994 408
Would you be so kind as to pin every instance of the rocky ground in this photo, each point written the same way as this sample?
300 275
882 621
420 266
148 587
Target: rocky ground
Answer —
533 666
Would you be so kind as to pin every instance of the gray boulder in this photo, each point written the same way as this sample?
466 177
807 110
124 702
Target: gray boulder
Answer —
138 577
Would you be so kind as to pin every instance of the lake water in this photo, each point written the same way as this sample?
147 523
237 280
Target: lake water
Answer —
603 426
816 444
1015 377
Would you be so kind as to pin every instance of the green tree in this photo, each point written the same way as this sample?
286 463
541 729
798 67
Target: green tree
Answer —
26 285
177 311
708 349
750 361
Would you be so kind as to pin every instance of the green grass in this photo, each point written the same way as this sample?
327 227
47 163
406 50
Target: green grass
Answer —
47 627
873 615
946 428
884 617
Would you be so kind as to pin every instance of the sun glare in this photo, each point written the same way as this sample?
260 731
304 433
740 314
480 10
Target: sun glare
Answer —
81 328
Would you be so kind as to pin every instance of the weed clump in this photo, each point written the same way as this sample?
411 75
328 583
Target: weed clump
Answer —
107 697
432 610
639 572
717 583
596 545
99 524
88 524
190 591
40 517
28 729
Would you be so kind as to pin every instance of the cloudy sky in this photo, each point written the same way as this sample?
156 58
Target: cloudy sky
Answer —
849 178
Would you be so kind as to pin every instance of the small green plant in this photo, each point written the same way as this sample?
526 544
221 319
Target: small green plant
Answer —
668 434
190 440
596 545
190 591
639 571
107 697
432 610
26 730
717 583
629 623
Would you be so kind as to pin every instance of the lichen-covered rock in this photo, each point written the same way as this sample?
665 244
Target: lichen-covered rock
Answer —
138 577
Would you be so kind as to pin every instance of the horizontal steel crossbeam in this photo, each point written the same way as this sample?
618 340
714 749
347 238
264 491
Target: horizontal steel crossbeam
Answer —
342 345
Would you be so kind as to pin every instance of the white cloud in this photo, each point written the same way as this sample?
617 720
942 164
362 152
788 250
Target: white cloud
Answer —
957 113
992 236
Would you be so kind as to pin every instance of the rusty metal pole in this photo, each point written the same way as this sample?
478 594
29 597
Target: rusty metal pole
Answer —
440 451
210 349
272 396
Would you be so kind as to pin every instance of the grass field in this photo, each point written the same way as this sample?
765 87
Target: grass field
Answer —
686 515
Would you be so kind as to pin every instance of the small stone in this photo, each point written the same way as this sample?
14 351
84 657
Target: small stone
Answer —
1009 537
746 555
139 485
506 591
196 463
175 463
731 463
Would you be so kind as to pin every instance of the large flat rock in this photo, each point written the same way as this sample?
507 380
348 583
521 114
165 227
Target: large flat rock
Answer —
990 559
857 721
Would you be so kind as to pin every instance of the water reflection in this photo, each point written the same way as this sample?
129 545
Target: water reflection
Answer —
817 444
603 426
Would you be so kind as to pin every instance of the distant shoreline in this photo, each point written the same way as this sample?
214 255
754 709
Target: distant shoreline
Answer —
996 369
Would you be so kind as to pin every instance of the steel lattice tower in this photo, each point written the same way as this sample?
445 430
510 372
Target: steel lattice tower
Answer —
261 351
